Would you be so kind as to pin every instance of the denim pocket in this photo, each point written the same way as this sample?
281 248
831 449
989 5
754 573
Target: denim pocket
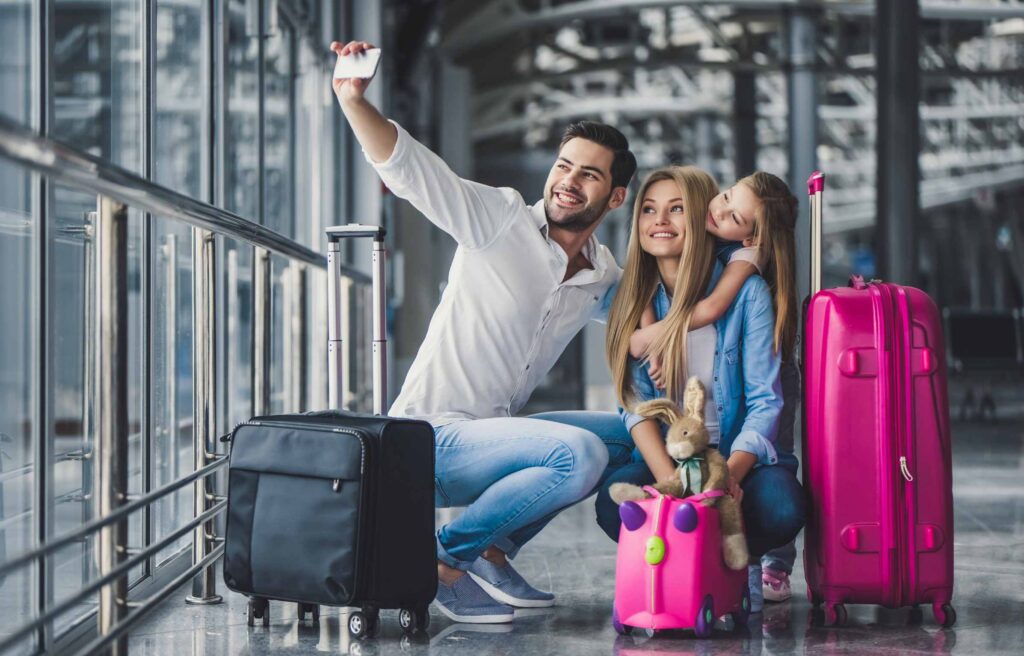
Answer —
732 372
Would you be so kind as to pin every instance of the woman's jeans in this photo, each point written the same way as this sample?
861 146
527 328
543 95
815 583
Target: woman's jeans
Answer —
515 474
773 501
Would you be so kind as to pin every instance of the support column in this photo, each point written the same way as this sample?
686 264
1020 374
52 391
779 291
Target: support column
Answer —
896 25
744 117
802 89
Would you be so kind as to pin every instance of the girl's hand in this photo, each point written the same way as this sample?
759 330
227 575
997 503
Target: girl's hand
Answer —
656 374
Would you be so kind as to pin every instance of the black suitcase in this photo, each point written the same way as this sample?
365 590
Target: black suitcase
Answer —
335 508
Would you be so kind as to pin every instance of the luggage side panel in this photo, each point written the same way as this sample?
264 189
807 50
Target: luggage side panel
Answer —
404 558
843 449
930 494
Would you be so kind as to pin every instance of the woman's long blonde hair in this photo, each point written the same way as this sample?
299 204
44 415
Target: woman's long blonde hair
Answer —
774 224
640 279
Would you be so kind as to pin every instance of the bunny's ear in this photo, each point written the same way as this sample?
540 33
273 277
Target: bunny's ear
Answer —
662 409
693 398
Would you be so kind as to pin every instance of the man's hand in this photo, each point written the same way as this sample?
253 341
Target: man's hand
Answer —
375 134
349 89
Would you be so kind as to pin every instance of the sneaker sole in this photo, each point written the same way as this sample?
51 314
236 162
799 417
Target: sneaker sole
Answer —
474 619
505 598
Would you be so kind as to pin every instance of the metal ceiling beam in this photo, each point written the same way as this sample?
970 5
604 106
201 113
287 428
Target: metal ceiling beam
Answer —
481 28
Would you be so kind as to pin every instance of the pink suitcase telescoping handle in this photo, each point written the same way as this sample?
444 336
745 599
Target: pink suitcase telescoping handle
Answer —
815 190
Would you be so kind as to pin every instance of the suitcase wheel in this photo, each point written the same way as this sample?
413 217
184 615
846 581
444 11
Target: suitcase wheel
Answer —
312 609
258 608
835 614
944 614
413 620
364 623
357 625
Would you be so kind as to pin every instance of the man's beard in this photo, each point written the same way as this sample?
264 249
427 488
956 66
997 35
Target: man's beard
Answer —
579 220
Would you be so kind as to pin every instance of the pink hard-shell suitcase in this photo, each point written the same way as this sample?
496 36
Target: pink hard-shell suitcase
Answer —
876 446
669 572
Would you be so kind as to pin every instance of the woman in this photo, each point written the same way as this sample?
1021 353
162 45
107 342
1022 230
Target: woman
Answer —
671 265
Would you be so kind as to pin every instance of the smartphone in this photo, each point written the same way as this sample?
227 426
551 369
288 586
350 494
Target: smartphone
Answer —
361 64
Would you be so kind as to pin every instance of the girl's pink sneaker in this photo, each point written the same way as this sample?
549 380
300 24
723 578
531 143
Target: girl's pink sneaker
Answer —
776 585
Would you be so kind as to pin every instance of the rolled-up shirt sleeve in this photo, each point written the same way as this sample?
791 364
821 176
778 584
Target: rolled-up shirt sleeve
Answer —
643 390
473 214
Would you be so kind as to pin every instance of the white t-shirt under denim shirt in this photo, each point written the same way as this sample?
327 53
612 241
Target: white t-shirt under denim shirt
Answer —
505 316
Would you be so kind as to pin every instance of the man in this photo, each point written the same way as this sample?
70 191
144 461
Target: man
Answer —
524 280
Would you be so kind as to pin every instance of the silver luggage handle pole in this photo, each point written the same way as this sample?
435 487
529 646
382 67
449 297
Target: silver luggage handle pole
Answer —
815 189
335 353
380 336
335 360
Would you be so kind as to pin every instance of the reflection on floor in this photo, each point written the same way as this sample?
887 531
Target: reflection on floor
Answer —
573 558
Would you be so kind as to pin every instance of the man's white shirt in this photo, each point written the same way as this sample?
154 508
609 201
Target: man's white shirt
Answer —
505 316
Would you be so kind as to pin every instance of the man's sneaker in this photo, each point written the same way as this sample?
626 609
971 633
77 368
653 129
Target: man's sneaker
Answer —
465 601
776 585
505 584
755 583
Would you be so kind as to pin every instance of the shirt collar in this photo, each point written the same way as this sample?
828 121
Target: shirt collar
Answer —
591 250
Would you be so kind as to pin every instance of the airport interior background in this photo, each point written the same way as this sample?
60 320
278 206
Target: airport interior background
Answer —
187 109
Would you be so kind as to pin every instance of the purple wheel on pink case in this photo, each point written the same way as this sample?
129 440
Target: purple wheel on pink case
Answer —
741 615
705 618
619 627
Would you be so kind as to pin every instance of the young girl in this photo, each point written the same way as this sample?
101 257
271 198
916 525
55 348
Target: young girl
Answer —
753 223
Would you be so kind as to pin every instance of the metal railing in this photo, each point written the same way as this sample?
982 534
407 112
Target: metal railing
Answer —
108 379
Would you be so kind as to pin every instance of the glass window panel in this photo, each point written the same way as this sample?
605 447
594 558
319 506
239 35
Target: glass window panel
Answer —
97 88
237 324
279 213
181 67
241 157
18 343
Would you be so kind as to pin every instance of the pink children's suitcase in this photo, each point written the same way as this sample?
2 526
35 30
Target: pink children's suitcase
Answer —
669 572
876 446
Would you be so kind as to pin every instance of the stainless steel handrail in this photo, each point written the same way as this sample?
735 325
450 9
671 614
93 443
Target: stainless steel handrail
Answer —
74 168
118 572
85 530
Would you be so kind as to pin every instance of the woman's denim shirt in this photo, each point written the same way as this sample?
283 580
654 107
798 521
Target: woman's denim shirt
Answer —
747 386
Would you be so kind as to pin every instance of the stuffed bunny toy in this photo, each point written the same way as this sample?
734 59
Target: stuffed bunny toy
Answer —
700 468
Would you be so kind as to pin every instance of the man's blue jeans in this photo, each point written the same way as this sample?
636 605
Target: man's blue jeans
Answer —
515 474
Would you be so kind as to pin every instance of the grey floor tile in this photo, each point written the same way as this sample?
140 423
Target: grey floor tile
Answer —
573 558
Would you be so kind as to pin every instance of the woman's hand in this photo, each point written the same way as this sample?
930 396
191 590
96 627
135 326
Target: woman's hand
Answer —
736 491
740 463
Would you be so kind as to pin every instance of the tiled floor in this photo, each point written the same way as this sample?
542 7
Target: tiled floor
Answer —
573 558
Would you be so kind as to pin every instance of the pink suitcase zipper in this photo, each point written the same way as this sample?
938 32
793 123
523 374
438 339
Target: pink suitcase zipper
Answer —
876 445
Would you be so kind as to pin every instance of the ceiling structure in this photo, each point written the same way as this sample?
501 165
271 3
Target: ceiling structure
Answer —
667 73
